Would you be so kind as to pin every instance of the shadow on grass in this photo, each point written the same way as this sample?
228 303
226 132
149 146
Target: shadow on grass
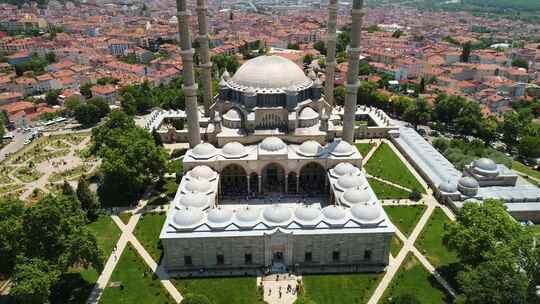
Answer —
449 273
72 289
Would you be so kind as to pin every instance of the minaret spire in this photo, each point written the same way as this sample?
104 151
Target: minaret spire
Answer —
189 86
331 52
352 85
204 54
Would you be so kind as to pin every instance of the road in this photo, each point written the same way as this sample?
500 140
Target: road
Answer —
15 145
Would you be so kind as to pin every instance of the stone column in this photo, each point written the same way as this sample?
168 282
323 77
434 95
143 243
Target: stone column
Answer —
357 13
297 183
204 54
189 86
286 183
331 52
248 186
260 183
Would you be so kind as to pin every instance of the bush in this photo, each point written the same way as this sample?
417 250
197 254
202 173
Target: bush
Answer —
415 195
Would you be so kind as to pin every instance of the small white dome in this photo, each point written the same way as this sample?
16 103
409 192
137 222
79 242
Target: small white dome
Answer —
234 149
368 212
196 200
342 148
348 181
272 144
187 217
277 213
310 148
468 182
334 212
308 113
356 196
202 172
344 169
247 214
203 151
307 214
219 215
198 185
232 115
485 164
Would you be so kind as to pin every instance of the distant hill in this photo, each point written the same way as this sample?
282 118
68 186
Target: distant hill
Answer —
505 4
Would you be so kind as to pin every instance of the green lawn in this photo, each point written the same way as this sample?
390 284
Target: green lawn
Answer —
147 232
430 242
536 229
125 217
405 217
386 164
413 278
340 288
106 233
386 191
395 246
364 148
526 170
230 290
137 283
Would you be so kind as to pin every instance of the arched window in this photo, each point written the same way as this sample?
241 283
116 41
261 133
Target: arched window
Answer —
233 181
312 179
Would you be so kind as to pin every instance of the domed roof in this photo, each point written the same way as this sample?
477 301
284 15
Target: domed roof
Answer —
187 217
306 213
196 200
270 72
308 113
234 149
448 187
356 196
198 185
468 182
202 172
247 214
485 164
203 150
348 181
342 148
219 215
368 212
277 213
272 144
233 114
334 212
344 168
310 148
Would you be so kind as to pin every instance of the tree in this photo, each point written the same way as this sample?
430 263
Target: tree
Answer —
364 69
52 97
529 147
67 190
422 87
488 129
50 57
339 95
2 129
85 89
520 63
304 300
192 298
512 127
406 298
319 46
397 34
10 232
89 202
293 46
308 59
415 195
419 113
33 280
466 52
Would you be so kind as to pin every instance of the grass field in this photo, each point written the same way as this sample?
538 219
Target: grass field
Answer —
125 217
395 246
386 164
106 233
525 170
430 242
405 217
413 278
386 191
364 148
147 232
136 283
230 290
340 288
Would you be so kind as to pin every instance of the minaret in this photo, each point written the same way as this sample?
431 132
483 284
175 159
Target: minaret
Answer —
352 85
331 51
204 54
189 86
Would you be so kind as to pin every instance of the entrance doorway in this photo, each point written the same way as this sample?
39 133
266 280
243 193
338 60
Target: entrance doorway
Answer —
273 178
277 257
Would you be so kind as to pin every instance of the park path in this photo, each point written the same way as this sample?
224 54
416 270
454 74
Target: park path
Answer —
275 288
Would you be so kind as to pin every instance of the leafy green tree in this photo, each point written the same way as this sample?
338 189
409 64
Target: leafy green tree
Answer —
466 52
67 190
520 63
512 127
224 63
33 280
339 95
419 113
415 195
101 105
373 28
529 147
89 202
50 57
469 120
397 34
192 298
52 97
308 59
2 129
107 80
364 69
10 232
319 46
488 129
85 89
293 46
401 103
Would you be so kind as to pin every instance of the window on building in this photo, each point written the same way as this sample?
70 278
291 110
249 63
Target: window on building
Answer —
335 256
220 259
367 255
187 260
308 256
248 258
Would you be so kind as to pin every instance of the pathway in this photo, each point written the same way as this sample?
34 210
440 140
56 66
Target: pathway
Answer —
275 288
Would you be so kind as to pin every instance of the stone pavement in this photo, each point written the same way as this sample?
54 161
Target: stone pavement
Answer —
275 290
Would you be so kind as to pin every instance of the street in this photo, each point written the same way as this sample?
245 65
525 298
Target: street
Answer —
15 145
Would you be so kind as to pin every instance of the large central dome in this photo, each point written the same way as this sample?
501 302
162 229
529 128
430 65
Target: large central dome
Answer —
270 72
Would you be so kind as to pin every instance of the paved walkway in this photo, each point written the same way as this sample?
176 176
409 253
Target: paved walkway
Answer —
276 290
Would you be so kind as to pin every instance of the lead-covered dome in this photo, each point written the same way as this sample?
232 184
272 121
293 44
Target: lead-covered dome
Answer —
203 151
310 148
272 144
307 214
234 150
448 187
349 181
356 196
344 169
270 72
187 217
202 172
342 148
196 200
277 214
247 215
367 212
233 115
485 164
219 215
334 212
198 185
308 113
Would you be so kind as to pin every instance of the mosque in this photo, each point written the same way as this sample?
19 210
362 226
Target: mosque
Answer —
272 177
